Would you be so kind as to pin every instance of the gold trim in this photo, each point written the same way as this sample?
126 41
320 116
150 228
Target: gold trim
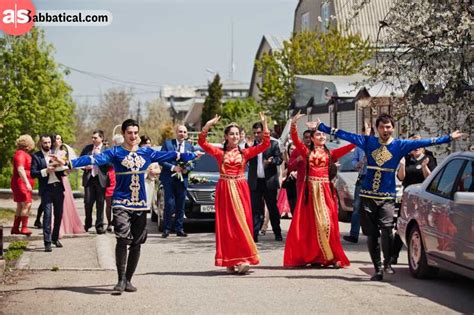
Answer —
130 173
232 177
240 212
240 258
380 168
381 155
323 223
318 179
390 140
380 198
386 194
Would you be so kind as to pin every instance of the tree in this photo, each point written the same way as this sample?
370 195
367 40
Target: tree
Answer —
431 43
213 103
157 121
307 53
34 97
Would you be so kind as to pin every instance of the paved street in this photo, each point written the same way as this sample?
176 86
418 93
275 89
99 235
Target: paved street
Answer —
177 275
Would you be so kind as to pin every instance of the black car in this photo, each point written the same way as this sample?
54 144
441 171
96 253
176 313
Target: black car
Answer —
199 204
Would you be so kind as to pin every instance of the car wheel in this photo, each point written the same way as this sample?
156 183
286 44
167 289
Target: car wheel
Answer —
417 260
343 216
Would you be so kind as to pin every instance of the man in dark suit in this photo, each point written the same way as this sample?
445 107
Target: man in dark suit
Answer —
95 180
51 190
264 183
175 182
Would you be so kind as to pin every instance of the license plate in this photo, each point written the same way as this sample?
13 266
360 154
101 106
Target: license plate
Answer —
207 208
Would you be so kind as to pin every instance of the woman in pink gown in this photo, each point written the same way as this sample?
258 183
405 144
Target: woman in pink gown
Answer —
71 222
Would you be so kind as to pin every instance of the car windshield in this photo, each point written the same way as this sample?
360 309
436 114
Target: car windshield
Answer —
207 163
345 161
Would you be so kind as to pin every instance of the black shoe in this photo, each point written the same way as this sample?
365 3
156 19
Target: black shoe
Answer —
387 268
38 224
393 260
350 239
165 234
86 228
278 238
255 239
378 276
47 248
109 228
100 231
181 234
58 244
120 286
129 287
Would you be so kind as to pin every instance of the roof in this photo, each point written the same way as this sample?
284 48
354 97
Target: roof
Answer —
366 23
350 85
178 91
228 85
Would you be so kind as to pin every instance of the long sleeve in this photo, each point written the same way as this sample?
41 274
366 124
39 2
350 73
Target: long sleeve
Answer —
103 158
293 161
206 146
407 146
356 157
253 151
35 167
358 140
300 147
340 152
165 164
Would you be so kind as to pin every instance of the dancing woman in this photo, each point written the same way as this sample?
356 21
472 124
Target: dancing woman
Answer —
235 247
313 236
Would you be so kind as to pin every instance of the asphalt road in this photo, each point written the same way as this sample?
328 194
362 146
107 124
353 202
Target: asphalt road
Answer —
177 275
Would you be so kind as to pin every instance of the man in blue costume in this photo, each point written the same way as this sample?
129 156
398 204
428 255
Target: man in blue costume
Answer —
378 188
129 203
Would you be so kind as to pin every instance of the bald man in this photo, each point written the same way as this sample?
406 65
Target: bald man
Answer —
175 188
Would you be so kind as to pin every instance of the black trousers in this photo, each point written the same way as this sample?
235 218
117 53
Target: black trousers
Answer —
261 196
94 193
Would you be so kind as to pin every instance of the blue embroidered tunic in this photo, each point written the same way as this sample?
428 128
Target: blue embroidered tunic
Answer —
382 159
130 168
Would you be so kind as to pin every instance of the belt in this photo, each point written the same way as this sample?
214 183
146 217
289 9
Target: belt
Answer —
56 184
131 172
381 169
232 177
318 179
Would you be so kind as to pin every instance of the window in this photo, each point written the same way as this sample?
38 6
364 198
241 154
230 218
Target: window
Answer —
305 21
465 181
325 17
443 184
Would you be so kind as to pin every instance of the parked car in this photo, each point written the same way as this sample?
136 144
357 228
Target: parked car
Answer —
199 203
437 217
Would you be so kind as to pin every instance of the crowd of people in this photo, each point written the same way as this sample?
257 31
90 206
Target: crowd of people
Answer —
297 183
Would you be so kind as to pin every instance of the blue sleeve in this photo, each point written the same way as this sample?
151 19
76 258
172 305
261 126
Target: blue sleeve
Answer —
406 146
100 159
163 157
187 156
165 164
356 157
358 140
191 166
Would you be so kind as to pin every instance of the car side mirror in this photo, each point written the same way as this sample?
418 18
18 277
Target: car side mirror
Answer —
464 198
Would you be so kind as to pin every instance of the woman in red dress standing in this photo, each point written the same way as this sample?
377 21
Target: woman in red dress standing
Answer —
22 184
313 236
235 247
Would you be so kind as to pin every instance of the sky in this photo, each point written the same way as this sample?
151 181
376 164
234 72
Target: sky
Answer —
161 42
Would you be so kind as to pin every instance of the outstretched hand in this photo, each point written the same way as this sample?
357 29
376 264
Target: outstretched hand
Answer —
457 135
214 120
313 124
263 118
296 117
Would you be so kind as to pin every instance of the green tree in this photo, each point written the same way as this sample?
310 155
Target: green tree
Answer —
213 103
307 52
34 98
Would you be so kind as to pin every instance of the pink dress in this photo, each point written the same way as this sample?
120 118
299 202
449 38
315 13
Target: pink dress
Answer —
71 222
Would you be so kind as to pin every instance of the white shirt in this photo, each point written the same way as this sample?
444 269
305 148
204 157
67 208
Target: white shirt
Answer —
179 146
260 169
44 172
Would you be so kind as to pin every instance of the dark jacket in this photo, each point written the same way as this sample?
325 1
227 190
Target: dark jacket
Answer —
165 176
38 162
102 175
271 170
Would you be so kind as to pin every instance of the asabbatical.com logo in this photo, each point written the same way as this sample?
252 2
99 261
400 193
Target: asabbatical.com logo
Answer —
16 16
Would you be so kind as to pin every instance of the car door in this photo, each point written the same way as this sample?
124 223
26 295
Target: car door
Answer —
439 231
462 218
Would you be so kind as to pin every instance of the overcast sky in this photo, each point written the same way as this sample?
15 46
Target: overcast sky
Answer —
165 41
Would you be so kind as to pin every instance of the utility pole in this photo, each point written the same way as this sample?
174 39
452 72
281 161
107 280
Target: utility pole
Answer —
138 111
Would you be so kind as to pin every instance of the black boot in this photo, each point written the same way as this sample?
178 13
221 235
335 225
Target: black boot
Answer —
374 251
387 241
397 246
121 261
132 263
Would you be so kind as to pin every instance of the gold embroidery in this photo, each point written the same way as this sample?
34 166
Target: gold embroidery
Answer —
134 163
323 224
376 180
381 155
382 194
240 212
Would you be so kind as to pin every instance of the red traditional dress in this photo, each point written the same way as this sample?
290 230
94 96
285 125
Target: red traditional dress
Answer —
234 226
20 193
313 236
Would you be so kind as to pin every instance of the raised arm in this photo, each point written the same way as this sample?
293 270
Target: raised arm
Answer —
300 147
340 152
202 139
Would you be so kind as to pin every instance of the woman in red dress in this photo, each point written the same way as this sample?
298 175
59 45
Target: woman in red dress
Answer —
22 184
313 236
235 247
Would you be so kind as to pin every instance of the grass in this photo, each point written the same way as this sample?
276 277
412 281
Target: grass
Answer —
6 215
14 251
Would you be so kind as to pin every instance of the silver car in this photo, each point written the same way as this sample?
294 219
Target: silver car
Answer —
436 219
